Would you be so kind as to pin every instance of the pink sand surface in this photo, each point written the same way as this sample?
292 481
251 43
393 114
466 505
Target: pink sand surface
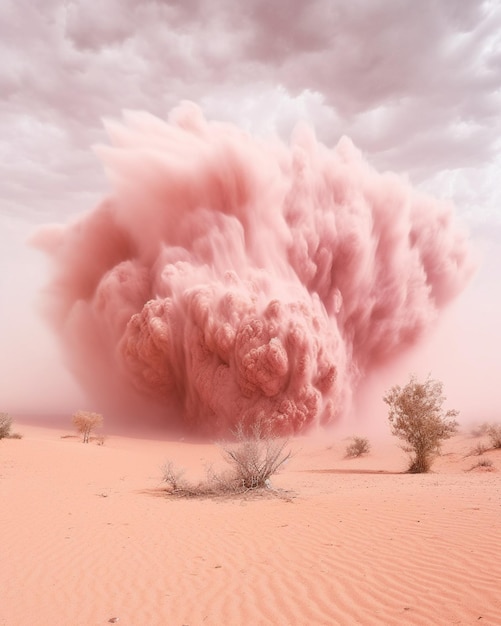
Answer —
87 536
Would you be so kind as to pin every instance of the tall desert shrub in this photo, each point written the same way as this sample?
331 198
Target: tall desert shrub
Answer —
417 417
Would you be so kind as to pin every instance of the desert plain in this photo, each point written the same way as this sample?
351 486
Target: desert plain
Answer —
90 537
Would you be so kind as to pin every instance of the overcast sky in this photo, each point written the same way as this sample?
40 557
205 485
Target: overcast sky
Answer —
416 85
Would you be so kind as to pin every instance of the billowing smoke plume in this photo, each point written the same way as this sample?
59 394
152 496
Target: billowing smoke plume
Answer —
228 278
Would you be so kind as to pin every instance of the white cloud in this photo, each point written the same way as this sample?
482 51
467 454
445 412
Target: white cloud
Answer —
416 85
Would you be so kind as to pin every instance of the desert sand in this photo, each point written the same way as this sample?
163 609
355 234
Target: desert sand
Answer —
90 538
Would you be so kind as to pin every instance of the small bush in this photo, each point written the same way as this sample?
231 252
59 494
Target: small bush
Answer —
478 449
215 484
478 430
86 422
173 477
15 436
5 425
494 432
358 447
487 463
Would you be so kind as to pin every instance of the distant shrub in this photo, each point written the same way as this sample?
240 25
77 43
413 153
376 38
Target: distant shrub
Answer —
5 428
5 425
417 417
478 430
494 432
479 449
86 422
358 447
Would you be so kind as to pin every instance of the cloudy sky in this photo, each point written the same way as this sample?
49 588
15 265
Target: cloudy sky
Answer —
416 85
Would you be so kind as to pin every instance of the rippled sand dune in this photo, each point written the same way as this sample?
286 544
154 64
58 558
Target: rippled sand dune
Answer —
88 536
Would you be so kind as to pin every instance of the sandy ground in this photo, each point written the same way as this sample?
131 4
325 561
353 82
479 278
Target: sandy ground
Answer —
87 536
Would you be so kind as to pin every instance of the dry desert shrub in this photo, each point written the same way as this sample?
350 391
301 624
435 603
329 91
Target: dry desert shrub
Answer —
478 430
256 455
417 417
215 483
86 422
253 457
5 425
173 476
5 428
479 449
358 447
494 432
482 463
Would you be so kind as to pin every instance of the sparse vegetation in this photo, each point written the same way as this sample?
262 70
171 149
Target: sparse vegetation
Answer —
256 455
215 484
253 457
5 428
86 422
494 433
417 417
5 425
482 463
479 449
173 476
358 447
478 430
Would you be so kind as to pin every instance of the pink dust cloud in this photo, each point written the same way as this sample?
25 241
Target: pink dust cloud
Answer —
231 278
